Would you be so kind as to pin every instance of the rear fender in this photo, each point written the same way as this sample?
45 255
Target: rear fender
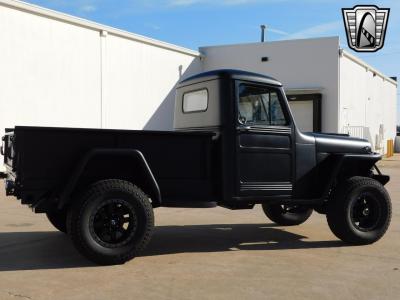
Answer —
131 157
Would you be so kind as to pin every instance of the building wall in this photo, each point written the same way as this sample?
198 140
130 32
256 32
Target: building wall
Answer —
367 102
139 84
57 70
311 63
50 72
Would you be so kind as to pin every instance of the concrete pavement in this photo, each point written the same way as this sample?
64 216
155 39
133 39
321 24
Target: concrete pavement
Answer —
203 254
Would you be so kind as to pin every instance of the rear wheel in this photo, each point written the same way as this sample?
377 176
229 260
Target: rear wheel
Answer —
112 222
58 218
287 215
360 211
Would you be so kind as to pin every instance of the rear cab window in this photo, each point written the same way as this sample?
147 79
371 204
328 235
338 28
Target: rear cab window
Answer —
195 101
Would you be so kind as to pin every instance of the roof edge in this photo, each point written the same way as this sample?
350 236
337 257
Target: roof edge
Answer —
362 63
63 17
270 42
303 91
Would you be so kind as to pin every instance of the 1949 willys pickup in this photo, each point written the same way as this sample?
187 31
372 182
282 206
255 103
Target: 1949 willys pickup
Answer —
235 144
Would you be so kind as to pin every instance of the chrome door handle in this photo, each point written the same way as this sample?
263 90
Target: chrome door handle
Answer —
243 128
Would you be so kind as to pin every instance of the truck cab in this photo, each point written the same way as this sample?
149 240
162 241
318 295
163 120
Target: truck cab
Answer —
250 115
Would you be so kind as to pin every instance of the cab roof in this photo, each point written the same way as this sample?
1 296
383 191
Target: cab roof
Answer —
231 73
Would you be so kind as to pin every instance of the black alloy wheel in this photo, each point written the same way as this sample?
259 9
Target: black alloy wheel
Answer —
113 223
365 212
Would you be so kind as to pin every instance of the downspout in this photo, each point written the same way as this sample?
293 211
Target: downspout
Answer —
339 118
103 36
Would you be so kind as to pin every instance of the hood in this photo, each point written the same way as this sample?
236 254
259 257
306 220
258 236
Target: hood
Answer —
337 143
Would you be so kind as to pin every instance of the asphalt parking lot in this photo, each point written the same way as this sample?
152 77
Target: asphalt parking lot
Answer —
203 254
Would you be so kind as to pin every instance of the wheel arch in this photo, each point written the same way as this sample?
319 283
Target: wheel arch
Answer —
344 166
99 164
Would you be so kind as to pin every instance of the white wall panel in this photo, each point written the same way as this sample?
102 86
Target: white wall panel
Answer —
49 72
367 100
140 84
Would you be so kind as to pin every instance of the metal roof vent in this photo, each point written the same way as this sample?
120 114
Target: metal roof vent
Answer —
263 27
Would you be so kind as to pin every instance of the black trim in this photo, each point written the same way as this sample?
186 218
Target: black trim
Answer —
231 74
266 129
277 199
188 203
266 186
383 179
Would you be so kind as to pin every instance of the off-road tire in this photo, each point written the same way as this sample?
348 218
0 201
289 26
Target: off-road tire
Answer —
58 218
80 222
341 213
280 214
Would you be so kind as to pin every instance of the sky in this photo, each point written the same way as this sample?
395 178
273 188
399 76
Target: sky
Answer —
196 23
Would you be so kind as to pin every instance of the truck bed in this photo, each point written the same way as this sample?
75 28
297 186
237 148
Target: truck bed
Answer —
41 159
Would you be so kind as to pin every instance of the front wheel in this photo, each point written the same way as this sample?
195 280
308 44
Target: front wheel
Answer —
111 222
360 211
287 215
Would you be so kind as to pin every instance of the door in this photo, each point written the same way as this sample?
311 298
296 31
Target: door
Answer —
303 114
263 141
306 110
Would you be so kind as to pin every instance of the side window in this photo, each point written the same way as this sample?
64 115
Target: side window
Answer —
195 101
260 105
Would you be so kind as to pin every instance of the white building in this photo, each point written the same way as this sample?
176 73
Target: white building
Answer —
59 70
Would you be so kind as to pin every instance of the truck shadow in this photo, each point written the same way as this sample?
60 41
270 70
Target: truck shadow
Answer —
38 250
54 250
228 237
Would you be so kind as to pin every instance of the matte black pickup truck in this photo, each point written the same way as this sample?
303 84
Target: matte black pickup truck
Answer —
235 144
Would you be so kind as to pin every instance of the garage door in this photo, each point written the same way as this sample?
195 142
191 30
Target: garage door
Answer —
303 114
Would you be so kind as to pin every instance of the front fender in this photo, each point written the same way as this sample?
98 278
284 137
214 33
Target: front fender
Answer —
383 179
352 165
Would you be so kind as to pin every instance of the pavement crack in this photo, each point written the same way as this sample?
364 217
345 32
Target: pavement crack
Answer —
18 296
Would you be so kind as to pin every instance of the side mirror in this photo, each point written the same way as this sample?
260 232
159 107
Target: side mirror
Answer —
242 120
